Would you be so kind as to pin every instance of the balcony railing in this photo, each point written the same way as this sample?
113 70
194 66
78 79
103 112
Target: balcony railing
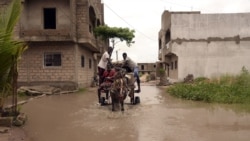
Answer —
46 35
89 41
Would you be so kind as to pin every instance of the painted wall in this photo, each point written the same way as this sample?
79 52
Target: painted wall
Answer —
211 60
211 44
204 26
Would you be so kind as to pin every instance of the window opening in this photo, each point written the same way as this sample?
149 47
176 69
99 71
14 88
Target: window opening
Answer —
90 63
176 64
82 61
52 59
49 18
142 67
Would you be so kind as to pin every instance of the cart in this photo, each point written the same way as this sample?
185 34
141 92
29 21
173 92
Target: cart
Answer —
105 100
131 89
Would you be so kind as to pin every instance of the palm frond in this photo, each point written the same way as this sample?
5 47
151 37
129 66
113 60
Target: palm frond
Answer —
13 14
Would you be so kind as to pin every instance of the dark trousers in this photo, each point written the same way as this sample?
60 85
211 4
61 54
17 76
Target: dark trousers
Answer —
100 73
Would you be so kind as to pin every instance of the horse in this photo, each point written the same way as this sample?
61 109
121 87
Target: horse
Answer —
130 81
118 90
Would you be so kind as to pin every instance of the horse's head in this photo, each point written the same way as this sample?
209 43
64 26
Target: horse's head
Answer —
119 88
118 91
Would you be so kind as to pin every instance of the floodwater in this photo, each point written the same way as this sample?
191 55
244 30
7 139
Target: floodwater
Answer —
159 117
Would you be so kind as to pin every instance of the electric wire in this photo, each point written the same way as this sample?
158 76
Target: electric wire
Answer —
128 22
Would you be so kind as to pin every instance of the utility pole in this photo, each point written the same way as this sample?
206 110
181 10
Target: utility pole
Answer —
116 55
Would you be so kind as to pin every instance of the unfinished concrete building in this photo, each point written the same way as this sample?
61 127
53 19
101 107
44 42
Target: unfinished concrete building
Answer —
205 45
62 49
147 67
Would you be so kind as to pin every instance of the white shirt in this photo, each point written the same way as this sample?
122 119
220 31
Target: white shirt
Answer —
104 60
131 63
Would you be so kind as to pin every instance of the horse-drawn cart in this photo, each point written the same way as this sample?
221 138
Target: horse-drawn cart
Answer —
123 84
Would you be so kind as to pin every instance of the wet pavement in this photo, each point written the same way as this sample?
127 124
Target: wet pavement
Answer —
159 117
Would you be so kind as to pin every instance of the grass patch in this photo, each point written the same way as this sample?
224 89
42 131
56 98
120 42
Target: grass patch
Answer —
226 89
81 90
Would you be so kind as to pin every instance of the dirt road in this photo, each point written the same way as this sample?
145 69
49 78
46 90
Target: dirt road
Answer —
159 117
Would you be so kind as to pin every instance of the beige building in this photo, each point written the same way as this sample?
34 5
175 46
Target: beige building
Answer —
207 45
147 67
63 50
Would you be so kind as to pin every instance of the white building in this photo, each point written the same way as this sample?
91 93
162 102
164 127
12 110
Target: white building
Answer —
206 45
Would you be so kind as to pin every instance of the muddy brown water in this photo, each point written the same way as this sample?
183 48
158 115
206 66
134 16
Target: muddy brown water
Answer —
159 117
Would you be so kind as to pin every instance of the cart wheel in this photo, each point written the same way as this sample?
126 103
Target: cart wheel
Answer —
103 101
137 100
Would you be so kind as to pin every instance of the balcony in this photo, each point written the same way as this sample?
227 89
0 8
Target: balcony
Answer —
160 54
93 44
165 51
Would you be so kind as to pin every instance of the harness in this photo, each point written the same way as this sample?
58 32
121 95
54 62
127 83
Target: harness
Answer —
119 86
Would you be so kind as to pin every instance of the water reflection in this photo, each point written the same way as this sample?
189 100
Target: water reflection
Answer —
159 117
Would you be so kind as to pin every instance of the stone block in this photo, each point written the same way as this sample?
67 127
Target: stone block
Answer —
6 121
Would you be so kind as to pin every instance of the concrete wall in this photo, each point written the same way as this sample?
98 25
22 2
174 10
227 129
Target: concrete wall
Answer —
32 69
204 26
173 67
211 60
4 4
147 67
85 74
32 17
211 44
73 22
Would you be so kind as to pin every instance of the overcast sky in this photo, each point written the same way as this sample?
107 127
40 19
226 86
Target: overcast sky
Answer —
144 16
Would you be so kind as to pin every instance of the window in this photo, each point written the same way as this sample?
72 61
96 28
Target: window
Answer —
49 17
142 67
82 61
90 29
176 64
90 63
172 65
52 59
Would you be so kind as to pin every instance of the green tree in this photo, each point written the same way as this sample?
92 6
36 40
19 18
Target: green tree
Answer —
10 53
114 34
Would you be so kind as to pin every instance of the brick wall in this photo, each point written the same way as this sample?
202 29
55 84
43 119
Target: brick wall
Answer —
85 74
32 69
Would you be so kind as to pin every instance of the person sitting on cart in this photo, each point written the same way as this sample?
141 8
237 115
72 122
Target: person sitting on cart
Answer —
131 66
108 76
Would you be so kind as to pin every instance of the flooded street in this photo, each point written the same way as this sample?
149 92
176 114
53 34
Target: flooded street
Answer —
159 117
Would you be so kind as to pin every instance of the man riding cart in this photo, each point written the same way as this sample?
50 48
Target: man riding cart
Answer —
108 78
131 66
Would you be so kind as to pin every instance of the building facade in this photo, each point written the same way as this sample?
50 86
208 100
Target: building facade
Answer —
205 45
62 49
147 68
